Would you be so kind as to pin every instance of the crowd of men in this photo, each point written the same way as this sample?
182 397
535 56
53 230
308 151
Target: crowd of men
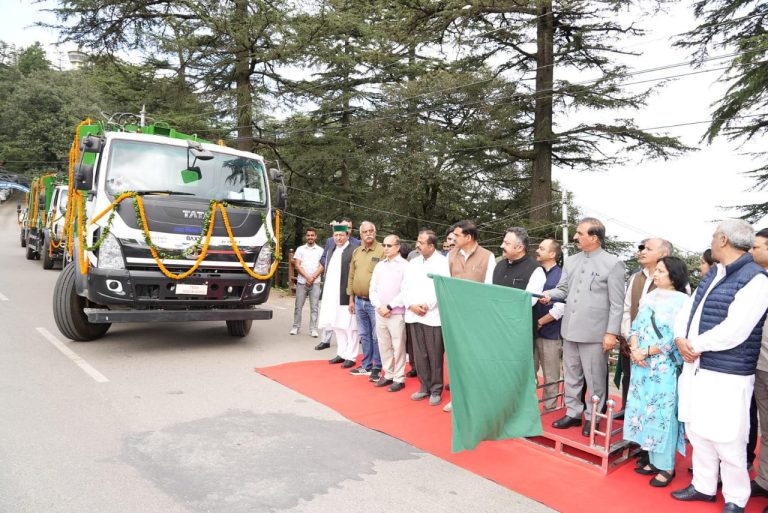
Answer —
381 295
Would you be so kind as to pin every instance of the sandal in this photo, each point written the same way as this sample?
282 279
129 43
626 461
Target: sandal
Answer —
666 475
647 470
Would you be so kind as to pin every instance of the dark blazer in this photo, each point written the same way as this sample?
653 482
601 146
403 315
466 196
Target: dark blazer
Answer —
346 258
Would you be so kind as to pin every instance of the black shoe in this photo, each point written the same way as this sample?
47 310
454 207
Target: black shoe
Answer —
347 364
396 387
322 345
382 382
336 359
658 483
412 373
375 375
756 490
647 470
565 422
690 494
587 426
732 508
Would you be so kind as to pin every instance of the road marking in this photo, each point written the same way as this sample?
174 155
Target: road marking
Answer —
85 366
279 307
3 298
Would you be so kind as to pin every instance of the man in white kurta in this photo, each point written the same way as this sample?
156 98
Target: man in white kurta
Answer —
334 310
714 404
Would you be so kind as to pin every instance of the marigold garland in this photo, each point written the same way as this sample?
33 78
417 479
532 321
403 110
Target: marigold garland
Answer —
240 256
142 220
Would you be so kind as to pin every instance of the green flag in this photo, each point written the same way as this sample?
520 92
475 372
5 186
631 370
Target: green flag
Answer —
488 337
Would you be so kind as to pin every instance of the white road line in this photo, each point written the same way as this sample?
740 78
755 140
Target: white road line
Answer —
85 366
278 307
3 298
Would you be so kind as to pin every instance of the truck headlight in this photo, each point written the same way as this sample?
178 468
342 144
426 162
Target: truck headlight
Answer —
264 260
110 254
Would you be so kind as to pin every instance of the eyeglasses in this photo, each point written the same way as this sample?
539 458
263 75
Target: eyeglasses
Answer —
390 245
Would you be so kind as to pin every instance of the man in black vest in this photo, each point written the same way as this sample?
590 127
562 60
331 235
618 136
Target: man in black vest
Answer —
516 268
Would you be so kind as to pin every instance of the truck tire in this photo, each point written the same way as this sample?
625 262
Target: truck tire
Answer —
45 255
239 328
68 310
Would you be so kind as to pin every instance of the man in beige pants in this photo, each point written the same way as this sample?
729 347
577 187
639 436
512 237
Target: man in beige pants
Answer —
384 294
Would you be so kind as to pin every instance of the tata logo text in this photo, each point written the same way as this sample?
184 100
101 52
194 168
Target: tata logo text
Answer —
193 214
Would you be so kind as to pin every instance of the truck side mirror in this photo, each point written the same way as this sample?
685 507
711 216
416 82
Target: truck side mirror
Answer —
275 175
91 144
84 177
282 197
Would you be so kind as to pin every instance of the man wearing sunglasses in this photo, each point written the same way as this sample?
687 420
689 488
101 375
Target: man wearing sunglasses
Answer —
386 298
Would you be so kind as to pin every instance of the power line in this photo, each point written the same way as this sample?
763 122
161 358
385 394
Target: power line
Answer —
517 97
522 96
396 214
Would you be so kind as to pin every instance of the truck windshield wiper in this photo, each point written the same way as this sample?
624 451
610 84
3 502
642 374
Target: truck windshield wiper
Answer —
170 193
238 202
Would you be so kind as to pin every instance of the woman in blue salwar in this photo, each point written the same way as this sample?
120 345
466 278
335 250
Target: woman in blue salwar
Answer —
650 418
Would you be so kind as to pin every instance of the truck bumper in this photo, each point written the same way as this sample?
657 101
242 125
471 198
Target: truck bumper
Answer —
102 315
135 294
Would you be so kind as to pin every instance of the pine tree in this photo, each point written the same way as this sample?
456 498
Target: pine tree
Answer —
739 27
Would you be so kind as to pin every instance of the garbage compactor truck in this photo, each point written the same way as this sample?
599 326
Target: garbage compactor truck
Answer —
163 226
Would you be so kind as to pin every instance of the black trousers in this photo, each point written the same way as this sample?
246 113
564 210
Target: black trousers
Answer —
428 354
753 431
626 369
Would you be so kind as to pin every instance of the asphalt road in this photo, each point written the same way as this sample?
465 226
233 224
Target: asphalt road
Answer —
172 418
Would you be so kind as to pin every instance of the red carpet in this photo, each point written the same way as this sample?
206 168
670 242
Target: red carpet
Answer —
533 471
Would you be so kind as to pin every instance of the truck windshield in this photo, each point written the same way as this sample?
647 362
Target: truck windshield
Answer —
141 166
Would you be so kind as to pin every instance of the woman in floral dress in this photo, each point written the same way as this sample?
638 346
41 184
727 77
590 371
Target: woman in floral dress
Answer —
650 419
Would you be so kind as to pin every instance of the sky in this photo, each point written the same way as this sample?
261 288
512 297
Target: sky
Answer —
679 199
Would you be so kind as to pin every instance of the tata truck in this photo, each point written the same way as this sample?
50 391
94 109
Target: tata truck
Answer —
52 240
166 227
34 218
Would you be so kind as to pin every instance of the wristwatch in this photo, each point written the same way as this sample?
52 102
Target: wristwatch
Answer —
389 308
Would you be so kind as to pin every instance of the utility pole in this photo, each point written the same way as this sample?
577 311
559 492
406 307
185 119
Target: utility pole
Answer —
564 199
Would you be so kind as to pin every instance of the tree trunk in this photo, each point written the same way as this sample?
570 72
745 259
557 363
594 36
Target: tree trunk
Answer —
243 80
346 117
541 174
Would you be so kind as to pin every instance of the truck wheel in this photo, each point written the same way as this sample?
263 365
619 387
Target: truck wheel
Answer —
68 310
45 255
239 328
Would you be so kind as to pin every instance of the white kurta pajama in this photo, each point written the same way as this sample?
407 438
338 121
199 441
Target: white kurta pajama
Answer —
335 316
715 405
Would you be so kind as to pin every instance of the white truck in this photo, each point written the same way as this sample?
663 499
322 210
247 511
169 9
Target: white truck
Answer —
171 206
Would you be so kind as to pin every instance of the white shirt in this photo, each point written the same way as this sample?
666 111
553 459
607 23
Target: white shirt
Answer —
419 289
308 258
715 404
536 286
380 270
488 270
